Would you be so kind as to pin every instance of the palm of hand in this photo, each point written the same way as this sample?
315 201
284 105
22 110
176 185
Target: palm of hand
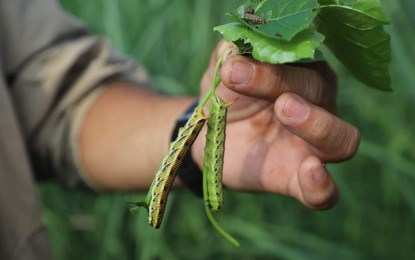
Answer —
260 153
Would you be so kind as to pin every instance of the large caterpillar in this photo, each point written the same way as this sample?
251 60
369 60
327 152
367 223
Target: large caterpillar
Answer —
157 196
214 151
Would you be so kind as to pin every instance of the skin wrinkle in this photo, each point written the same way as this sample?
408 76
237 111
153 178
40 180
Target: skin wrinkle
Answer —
327 87
261 123
351 135
320 87
242 114
353 146
313 83
324 133
325 136
278 79
342 145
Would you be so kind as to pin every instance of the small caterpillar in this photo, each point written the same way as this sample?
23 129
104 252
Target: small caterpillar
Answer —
214 151
251 17
157 197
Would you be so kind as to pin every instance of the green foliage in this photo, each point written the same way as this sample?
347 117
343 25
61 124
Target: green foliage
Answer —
271 50
353 31
285 18
355 34
375 215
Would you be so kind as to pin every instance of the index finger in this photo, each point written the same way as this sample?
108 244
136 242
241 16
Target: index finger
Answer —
267 81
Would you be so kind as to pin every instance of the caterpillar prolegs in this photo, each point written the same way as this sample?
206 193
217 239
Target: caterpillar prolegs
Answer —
157 196
214 151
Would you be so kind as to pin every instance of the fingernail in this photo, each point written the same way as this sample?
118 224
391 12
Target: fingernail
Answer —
241 73
319 174
295 109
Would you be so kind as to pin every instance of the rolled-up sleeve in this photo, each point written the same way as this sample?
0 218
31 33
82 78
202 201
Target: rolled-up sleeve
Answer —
52 90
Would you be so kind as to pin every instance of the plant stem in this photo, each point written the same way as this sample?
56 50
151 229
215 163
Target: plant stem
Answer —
212 219
215 83
215 224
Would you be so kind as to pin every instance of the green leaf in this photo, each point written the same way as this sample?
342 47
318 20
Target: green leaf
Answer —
284 18
372 8
232 31
302 46
355 34
327 2
364 14
276 51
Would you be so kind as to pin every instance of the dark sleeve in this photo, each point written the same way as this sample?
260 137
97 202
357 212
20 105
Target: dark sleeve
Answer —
30 26
56 69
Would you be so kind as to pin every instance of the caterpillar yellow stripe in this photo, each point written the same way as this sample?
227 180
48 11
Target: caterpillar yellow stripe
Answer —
162 183
156 199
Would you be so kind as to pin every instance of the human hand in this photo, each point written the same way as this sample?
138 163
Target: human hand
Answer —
282 129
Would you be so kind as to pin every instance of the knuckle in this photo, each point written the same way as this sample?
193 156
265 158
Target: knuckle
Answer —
324 130
315 88
310 84
335 139
275 78
347 145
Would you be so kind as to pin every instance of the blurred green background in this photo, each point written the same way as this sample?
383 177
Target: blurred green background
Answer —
374 219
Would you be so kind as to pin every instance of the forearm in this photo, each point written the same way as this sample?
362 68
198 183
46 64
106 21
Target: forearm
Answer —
125 135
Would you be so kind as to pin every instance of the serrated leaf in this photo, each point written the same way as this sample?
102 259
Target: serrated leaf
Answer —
276 51
355 34
284 18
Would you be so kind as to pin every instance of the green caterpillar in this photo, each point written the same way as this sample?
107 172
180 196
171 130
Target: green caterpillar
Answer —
157 196
214 151
213 164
